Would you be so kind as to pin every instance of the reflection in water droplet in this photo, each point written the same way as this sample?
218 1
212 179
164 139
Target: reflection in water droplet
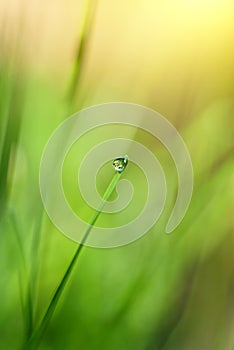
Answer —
119 164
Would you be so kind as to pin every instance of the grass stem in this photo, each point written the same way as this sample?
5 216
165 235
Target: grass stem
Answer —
34 340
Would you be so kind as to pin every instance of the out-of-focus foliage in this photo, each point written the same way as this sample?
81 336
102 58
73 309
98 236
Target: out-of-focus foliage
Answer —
171 292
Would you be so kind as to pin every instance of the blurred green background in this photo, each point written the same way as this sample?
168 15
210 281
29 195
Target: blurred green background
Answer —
163 291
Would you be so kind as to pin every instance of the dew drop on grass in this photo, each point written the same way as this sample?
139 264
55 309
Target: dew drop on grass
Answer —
119 164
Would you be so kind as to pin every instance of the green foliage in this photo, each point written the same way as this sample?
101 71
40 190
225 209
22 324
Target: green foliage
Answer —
161 292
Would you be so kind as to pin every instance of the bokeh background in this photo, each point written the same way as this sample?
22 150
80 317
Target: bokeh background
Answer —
163 291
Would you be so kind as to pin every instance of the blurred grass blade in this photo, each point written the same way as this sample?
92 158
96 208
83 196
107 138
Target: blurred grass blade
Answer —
24 279
81 50
35 246
11 115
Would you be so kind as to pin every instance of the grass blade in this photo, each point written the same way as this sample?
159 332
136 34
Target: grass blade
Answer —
37 334
88 21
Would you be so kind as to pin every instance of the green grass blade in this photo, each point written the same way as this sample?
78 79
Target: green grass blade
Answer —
13 122
88 21
24 279
37 334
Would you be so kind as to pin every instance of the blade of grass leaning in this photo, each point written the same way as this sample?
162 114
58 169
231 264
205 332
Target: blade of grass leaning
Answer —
34 340
80 54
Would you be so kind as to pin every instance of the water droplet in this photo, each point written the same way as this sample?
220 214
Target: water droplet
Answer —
119 164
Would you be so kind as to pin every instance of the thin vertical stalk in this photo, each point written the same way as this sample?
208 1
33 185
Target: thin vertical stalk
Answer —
12 129
27 304
86 29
